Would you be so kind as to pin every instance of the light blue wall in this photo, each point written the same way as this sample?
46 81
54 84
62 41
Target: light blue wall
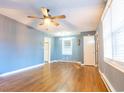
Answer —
114 75
77 50
53 49
76 53
20 45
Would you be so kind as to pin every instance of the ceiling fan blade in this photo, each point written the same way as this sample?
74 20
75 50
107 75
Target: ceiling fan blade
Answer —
45 11
41 24
55 23
34 17
59 17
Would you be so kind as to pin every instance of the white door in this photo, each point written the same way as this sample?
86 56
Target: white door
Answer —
89 50
47 50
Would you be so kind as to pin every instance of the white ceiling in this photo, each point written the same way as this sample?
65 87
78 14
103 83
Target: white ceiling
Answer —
81 15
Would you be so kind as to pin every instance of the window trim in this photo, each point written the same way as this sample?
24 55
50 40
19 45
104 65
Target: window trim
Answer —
113 31
114 64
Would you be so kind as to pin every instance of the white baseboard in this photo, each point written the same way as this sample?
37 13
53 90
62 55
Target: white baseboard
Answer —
79 62
107 83
82 65
89 65
20 70
67 61
54 61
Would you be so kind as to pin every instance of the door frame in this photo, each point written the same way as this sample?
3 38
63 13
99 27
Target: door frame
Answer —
94 64
48 41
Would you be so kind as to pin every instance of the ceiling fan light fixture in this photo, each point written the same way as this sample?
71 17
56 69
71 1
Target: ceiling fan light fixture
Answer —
47 18
47 21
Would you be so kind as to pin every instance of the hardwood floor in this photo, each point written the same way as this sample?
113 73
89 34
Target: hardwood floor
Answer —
59 77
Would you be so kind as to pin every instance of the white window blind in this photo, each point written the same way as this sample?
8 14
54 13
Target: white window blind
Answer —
107 35
113 31
118 29
67 46
118 42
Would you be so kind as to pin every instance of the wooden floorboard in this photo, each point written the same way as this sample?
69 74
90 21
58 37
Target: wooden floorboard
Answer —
55 77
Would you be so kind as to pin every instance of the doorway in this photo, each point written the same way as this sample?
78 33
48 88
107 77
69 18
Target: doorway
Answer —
89 50
47 49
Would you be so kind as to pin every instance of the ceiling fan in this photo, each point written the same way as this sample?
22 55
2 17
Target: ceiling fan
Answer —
47 18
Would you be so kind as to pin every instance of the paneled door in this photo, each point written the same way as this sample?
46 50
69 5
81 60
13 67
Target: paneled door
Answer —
89 50
47 49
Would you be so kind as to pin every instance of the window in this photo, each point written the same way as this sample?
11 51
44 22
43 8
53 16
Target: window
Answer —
118 30
107 35
118 38
113 31
67 46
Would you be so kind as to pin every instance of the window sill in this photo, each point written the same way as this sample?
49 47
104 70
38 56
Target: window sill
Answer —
118 65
